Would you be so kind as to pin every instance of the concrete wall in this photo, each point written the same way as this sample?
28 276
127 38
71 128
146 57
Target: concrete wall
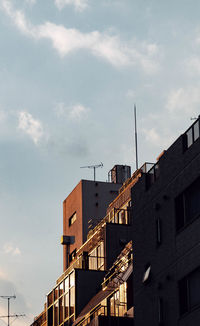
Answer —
117 236
89 199
179 253
88 283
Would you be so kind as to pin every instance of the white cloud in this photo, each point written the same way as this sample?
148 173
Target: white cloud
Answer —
17 17
3 275
31 2
76 112
79 5
30 126
184 100
3 116
8 248
103 45
193 65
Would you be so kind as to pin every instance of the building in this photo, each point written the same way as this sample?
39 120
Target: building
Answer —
166 236
140 264
85 206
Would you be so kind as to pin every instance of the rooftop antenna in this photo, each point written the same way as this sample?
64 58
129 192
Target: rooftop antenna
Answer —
136 146
8 297
93 167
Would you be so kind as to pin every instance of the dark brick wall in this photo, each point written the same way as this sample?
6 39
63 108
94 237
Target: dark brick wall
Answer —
179 253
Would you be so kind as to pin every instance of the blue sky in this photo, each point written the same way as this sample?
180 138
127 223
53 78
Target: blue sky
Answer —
70 73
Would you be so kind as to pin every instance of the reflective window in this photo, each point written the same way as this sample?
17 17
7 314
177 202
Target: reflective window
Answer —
189 292
71 279
196 130
72 300
61 306
56 314
66 305
187 205
192 134
66 284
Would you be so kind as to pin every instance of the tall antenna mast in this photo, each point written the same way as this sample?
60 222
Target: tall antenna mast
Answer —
93 167
136 146
8 297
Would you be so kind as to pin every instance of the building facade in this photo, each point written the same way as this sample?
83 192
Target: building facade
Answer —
140 263
84 207
166 237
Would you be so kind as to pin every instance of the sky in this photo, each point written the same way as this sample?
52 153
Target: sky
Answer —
70 73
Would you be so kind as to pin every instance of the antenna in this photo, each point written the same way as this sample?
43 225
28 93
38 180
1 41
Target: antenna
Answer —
136 147
93 167
8 297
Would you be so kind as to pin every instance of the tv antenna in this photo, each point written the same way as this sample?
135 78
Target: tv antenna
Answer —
93 167
8 297
136 144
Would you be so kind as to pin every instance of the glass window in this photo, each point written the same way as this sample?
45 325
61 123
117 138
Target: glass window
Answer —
56 293
50 298
66 305
66 284
189 137
72 300
61 290
61 306
194 288
189 292
56 313
72 219
50 316
196 130
112 307
71 279
188 205
93 259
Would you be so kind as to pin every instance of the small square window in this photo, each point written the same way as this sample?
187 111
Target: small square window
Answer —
72 219
146 276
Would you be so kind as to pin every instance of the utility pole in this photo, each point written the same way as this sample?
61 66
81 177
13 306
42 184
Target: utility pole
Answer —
8 297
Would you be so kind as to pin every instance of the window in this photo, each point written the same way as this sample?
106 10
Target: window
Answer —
118 301
72 256
158 231
147 273
96 258
192 134
189 292
187 205
72 219
152 175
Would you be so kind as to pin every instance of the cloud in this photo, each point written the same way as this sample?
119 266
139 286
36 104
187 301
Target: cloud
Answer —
3 116
79 5
30 126
8 248
76 112
193 65
103 45
30 2
184 100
